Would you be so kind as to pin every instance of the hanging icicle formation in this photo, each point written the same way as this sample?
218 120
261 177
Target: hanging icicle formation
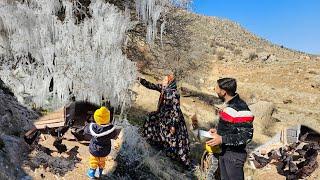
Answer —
51 58
149 12
53 49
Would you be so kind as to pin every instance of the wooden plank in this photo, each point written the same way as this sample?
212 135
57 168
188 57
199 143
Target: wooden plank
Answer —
49 121
31 135
52 125
31 131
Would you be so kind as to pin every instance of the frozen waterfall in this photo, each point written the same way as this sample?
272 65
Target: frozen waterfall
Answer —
83 59
47 55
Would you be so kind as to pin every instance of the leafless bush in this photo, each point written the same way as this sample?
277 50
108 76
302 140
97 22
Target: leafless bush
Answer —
238 52
260 50
253 56
138 156
220 55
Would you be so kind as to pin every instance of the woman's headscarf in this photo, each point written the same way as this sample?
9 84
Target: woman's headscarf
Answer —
170 78
171 84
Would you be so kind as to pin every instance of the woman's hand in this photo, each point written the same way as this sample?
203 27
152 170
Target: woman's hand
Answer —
194 121
165 81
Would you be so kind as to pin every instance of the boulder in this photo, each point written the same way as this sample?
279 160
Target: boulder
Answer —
15 147
264 56
316 82
12 155
14 118
262 110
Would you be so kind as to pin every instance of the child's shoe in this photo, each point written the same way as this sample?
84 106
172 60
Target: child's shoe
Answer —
100 172
91 173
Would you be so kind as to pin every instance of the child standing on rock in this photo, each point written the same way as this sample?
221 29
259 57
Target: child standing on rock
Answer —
102 131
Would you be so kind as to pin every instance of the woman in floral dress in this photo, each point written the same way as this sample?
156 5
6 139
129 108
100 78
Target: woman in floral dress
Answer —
166 127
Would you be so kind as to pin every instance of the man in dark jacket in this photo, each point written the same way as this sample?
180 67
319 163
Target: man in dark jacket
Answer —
100 144
234 130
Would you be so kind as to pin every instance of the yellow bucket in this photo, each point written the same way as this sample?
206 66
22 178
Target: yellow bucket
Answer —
212 149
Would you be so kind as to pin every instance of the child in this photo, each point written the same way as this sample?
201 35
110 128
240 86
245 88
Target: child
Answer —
102 131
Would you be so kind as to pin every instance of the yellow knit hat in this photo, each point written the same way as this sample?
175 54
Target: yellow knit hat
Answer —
102 116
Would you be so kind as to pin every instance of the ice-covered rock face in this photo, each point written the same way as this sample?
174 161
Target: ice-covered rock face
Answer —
47 55
49 59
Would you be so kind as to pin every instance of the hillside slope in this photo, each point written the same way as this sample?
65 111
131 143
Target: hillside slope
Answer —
202 49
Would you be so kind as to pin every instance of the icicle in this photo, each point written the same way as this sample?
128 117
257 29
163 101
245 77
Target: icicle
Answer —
162 28
149 11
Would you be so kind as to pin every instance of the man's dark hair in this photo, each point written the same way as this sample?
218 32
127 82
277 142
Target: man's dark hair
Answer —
229 85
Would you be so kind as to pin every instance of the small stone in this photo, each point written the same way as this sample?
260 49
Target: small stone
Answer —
316 86
263 151
313 72
288 101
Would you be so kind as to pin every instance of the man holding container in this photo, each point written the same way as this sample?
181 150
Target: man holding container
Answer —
234 130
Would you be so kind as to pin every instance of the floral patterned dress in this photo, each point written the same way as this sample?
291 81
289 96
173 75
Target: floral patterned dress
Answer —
158 124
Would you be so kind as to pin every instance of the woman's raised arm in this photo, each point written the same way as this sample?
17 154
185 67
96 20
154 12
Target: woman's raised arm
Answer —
150 85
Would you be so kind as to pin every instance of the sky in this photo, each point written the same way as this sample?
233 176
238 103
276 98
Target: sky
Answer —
292 23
